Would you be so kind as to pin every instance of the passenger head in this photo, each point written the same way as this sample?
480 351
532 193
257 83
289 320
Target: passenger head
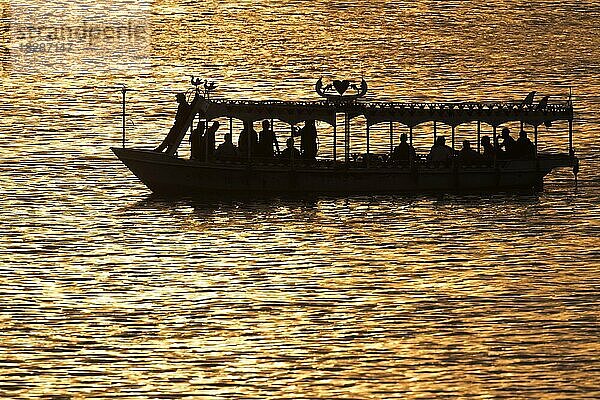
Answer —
228 137
466 145
310 122
266 125
215 125
505 132
403 138
440 141
485 140
180 97
523 134
289 143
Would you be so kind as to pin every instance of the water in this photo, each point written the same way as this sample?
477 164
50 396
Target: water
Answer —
107 291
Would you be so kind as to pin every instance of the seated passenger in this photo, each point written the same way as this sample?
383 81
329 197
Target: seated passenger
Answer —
508 144
266 140
404 152
489 151
290 152
440 152
468 156
524 148
227 149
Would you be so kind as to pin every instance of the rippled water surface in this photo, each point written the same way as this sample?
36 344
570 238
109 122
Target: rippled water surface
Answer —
106 291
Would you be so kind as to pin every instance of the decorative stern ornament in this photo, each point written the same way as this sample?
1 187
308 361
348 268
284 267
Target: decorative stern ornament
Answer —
337 91
208 86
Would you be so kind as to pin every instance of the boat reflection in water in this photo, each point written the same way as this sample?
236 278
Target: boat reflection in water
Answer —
368 172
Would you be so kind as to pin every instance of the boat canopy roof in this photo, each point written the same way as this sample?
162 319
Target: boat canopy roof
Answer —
409 114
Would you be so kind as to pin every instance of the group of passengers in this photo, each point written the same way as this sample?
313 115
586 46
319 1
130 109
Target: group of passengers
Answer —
263 145
441 153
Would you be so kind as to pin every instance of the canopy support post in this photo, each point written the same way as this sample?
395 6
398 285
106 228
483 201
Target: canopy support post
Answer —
478 136
391 136
535 139
250 126
453 134
495 141
368 141
291 152
434 131
571 152
334 137
346 138
410 134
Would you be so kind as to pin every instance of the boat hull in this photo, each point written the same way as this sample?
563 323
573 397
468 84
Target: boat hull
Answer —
165 174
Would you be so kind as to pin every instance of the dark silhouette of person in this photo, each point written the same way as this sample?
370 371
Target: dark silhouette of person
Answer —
196 141
404 152
468 156
266 140
248 140
508 144
489 151
440 152
209 140
308 140
183 112
227 149
524 148
290 152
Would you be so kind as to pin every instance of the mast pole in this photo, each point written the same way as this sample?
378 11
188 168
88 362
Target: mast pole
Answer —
123 91
571 152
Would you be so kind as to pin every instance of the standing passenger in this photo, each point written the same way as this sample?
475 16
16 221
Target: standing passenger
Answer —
508 143
489 151
266 140
248 140
195 141
209 140
308 140
183 112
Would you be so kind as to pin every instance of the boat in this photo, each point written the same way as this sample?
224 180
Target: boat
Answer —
166 173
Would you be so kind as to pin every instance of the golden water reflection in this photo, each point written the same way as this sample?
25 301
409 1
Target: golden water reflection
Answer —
108 293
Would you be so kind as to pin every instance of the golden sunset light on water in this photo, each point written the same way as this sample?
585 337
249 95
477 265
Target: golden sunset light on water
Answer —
139 261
